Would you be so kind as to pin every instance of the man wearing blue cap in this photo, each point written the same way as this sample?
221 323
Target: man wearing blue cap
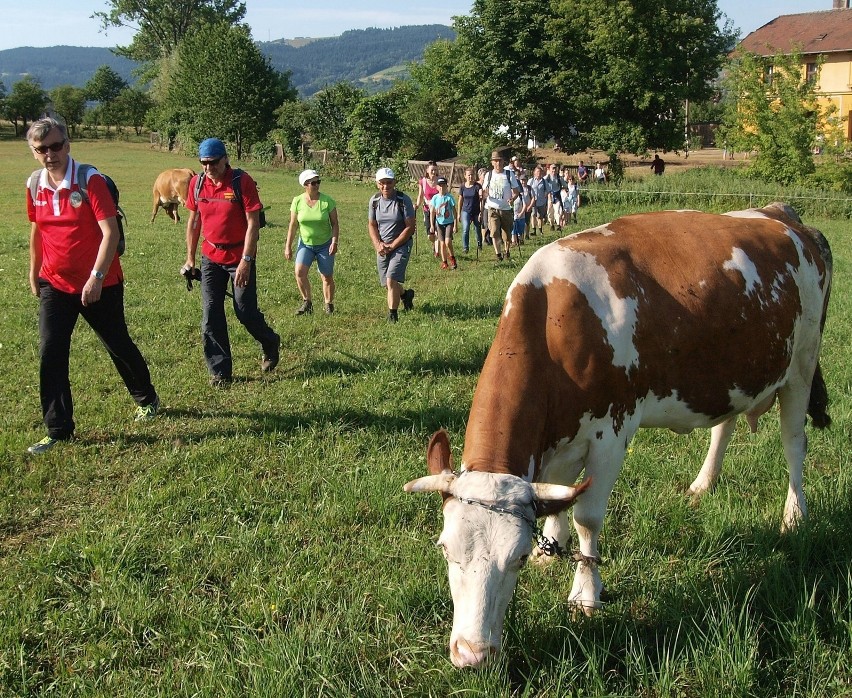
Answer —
229 216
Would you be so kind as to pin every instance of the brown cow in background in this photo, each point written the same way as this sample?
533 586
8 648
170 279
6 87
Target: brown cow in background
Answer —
170 191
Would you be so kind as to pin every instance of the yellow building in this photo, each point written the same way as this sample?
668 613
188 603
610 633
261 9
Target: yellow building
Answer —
827 33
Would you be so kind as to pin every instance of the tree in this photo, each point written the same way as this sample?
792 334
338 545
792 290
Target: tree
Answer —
328 115
774 111
131 107
26 102
225 87
104 87
292 119
376 129
610 74
70 103
162 24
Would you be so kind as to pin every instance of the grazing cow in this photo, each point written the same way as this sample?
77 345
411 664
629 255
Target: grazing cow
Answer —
674 319
170 190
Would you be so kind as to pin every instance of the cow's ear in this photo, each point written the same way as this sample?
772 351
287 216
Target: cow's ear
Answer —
439 459
552 499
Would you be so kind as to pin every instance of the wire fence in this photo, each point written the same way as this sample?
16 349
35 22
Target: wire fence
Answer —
822 206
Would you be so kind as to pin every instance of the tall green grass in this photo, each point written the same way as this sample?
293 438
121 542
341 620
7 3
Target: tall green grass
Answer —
256 541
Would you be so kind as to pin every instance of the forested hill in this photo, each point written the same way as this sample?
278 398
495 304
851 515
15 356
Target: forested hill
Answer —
356 55
60 65
371 56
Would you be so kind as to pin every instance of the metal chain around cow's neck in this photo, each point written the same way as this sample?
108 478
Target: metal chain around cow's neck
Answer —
548 546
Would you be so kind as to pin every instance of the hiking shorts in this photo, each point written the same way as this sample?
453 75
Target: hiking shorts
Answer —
393 265
444 231
500 221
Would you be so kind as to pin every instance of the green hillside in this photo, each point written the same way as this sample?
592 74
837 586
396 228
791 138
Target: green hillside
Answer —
356 55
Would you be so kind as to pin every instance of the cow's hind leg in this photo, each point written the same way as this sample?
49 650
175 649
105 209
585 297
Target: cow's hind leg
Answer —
720 437
793 402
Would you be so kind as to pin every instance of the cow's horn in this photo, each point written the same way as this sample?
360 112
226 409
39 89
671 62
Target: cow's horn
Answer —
547 492
432 483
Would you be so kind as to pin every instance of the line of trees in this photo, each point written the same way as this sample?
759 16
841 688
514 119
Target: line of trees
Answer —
606 74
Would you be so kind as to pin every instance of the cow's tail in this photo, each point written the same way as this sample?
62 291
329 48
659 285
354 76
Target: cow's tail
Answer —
818 401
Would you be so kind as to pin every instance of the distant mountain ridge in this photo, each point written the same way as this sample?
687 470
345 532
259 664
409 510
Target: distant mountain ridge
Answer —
358 55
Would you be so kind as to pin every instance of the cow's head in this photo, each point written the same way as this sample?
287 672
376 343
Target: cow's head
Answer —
489 530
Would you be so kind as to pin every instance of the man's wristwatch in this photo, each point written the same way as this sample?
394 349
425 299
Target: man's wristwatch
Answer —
99 275
248 258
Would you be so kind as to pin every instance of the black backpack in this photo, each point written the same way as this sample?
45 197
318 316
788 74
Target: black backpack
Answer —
83 172
400 204
238 193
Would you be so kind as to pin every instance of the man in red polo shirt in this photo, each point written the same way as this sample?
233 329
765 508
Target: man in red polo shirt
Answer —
231 225
74 270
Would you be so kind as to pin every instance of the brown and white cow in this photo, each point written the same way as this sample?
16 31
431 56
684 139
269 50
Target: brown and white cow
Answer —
676 319
170 190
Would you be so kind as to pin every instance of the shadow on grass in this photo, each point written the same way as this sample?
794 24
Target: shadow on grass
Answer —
345 419
776 586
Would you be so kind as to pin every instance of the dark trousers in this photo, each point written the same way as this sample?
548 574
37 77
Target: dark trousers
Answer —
214 326
58 313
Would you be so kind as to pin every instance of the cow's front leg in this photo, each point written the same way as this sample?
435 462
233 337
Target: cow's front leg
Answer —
556 528
602 468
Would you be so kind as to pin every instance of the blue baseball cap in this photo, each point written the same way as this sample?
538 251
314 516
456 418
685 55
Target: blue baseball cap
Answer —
211 148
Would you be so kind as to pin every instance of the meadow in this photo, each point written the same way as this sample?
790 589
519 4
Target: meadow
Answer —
256 541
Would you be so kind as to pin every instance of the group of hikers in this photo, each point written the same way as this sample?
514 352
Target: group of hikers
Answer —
76 242
503 202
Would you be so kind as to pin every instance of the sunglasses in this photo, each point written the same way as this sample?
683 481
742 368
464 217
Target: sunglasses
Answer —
313 182
53 148
210 163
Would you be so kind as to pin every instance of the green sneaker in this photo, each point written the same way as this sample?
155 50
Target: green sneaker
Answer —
43 446
147 412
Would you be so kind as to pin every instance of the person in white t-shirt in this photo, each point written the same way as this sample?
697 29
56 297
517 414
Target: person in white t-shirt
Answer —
499 191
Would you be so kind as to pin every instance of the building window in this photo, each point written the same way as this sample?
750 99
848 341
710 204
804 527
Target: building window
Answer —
811 72
767 74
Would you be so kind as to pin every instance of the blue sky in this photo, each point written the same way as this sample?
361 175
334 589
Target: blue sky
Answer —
68 21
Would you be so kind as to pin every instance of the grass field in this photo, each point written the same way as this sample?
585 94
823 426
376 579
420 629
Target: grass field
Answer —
256 541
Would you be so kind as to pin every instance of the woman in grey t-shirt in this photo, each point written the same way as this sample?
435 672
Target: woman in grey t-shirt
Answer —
391 224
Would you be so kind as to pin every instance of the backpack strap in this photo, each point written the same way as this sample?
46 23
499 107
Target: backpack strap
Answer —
84 171
235 185
34 180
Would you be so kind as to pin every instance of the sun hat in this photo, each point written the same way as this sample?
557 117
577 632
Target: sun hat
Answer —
211 148
307 176
384 173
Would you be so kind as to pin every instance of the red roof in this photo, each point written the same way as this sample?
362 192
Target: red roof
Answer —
825 31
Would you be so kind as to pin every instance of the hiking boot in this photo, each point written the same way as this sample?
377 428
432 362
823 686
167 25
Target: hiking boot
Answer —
306 308
407 298
43 446
444 265
329 308
220 381
453 264
392 316
270 359
147 412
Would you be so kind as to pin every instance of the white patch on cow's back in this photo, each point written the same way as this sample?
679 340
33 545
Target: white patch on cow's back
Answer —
618 315
748 213
740 262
